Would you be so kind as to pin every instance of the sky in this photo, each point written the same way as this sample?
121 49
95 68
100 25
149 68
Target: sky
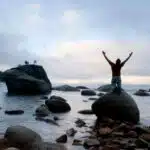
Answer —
67 37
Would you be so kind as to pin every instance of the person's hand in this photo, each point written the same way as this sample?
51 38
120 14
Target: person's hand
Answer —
103 52
130 53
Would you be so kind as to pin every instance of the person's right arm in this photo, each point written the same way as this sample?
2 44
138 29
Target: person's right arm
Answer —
122 64
109 61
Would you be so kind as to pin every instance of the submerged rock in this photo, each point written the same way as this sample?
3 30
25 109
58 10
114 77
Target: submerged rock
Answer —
57 106
27 79
65 88
88 92
117 106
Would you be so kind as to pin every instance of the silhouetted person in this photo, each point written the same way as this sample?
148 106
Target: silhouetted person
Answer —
116 71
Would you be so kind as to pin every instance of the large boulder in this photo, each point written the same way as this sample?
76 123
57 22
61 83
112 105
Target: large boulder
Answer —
88 92
117 106
20 136
42 111
27 79
66 88
57 106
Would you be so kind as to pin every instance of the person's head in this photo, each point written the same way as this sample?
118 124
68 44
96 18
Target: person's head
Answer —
118 61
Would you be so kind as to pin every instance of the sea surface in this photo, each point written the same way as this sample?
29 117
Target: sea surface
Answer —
50 132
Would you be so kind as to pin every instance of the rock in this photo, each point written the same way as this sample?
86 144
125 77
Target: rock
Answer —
77 142
85 101
93 98
100 94
140 143
21 136
71 132
88 92
105 131
145 137
42 111
111 147
141 93
105 88
82 87
86 112
48 146
131 134
62 139
80 123
117 106
11 148
14 112
47 120
4 144
65 88
55 118
53 97
57 106
27 79
91 142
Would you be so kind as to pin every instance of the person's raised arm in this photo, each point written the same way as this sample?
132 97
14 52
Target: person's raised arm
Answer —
126 59
109 61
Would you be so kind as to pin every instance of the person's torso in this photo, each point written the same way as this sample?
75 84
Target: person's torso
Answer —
116 70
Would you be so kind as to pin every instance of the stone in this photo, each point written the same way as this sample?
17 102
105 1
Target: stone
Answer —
44 97
100 94
54 97
81 87
141 93
93 98
86 112
11 148
88 92
57 106
105 131
117 106
42 111
22 136
91 142
14 112
111 147
131 134
105 88
27 80
62 139
80 123
77 142
71 132
145 137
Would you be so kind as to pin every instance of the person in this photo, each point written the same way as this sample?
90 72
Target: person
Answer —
116 71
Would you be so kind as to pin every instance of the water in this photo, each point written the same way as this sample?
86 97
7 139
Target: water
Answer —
50 132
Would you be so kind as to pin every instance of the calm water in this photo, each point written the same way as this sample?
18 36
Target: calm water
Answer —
50 132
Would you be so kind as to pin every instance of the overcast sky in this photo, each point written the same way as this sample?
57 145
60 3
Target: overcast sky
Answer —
67 37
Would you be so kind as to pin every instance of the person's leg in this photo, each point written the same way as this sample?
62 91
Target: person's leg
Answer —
119 84
113 83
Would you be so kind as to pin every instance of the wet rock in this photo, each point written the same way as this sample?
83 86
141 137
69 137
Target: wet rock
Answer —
47 120
91 142
14 112
131 134
141 143
145 137
86 112
85 101
55 118
21 136
42 111
4 144
93 98
57 106
71 132
77 142
105 131
111 147
54 97
116 134
105 88
88 92
65 88
47 146
80 123
117 106
62 139
141 93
